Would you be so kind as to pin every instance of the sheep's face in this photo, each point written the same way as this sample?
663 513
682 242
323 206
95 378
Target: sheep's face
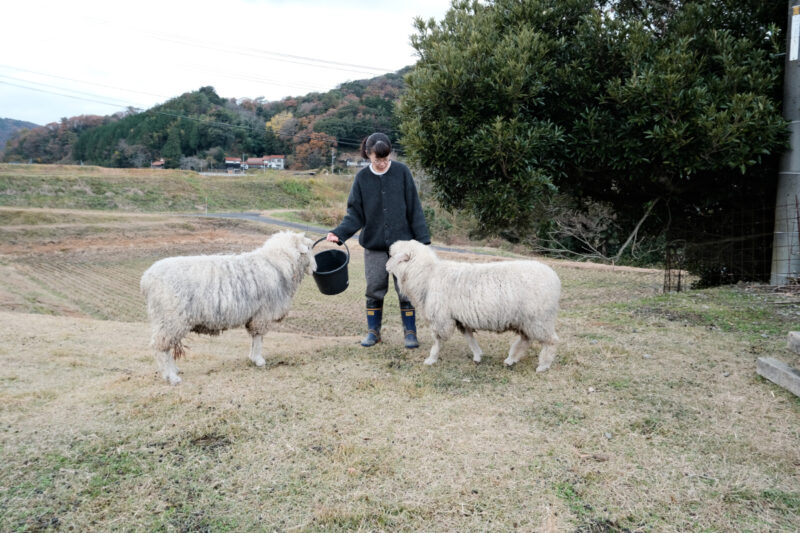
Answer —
297 246
403 253
398 256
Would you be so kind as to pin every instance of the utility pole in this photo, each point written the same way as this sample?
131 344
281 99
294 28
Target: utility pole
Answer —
786 240
333 157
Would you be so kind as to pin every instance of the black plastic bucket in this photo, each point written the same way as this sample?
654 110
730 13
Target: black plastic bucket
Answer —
331 273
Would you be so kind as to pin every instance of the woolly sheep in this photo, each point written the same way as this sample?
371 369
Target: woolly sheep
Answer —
212 293
519 296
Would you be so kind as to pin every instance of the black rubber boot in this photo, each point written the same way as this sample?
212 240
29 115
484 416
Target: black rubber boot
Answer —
374 316
409 326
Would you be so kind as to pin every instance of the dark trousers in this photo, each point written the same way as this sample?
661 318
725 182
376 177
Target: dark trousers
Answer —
378 279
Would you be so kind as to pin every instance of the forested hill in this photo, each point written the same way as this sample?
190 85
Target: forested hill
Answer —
199 129
9 127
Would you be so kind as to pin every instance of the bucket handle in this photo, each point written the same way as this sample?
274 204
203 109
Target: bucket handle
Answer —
339 242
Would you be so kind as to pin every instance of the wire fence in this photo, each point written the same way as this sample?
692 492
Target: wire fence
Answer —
722 247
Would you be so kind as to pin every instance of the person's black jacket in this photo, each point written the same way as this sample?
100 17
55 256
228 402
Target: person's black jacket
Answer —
385 208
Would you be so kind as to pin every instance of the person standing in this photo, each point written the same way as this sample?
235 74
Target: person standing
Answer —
385 206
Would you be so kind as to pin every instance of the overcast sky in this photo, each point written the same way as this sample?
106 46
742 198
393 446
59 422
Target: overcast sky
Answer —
61 59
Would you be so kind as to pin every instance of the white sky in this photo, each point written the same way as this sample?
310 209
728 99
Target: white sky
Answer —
62 59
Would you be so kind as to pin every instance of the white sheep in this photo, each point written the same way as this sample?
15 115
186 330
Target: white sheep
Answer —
212 293
519 296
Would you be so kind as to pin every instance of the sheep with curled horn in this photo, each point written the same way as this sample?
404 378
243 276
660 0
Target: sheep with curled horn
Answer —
211 293
518 296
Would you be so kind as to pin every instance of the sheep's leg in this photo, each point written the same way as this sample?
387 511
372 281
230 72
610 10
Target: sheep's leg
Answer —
477 353
517 350
441 332
434 355
546 356
167 367
255 350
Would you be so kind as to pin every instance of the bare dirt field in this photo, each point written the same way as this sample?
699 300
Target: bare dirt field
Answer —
652 417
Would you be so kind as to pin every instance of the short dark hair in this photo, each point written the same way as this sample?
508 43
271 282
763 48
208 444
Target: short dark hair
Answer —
377 143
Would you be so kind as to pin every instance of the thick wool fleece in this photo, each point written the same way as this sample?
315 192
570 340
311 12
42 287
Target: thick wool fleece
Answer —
212 293
519 296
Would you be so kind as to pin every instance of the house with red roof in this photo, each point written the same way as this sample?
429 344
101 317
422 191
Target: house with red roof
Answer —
255 162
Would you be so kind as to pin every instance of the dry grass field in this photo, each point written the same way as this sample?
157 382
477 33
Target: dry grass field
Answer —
652 417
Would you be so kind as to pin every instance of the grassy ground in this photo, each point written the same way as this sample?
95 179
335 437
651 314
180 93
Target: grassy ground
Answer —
78 187
316 199
652 417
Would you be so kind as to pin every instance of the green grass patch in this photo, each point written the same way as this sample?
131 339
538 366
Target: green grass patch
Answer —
788 503
146 191
730 309
299 190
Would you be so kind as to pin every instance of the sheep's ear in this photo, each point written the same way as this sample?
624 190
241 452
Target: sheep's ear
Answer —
302 243
400 258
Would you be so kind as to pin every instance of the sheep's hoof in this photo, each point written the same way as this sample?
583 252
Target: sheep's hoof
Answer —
174 379
542 368
476 359
259 362
509 361
430 360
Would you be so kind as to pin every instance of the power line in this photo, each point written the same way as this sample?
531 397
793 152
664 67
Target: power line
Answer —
307 87
55 87
261 54
65 95
252 52
81 81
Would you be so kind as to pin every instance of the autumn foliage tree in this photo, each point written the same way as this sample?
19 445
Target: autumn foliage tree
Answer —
312 149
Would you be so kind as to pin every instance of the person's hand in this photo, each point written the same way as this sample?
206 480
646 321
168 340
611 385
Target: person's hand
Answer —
332 237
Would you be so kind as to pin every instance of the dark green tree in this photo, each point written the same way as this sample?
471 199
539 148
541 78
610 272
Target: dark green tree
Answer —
663 104
172 149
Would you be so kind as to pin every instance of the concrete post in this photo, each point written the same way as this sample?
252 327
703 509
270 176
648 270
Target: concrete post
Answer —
786 241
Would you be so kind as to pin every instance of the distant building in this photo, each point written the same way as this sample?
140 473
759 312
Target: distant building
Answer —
275 161
156 164
359 163
255 162
267 161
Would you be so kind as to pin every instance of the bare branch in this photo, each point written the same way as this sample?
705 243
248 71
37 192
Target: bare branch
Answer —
635 232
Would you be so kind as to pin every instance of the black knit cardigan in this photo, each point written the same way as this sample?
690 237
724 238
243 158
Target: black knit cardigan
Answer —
385 208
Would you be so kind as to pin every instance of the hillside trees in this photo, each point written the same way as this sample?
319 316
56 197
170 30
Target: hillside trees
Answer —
283 124
196 124
356 120
646 111
209 127
172 148
11 127
314 150
52 143
365 107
